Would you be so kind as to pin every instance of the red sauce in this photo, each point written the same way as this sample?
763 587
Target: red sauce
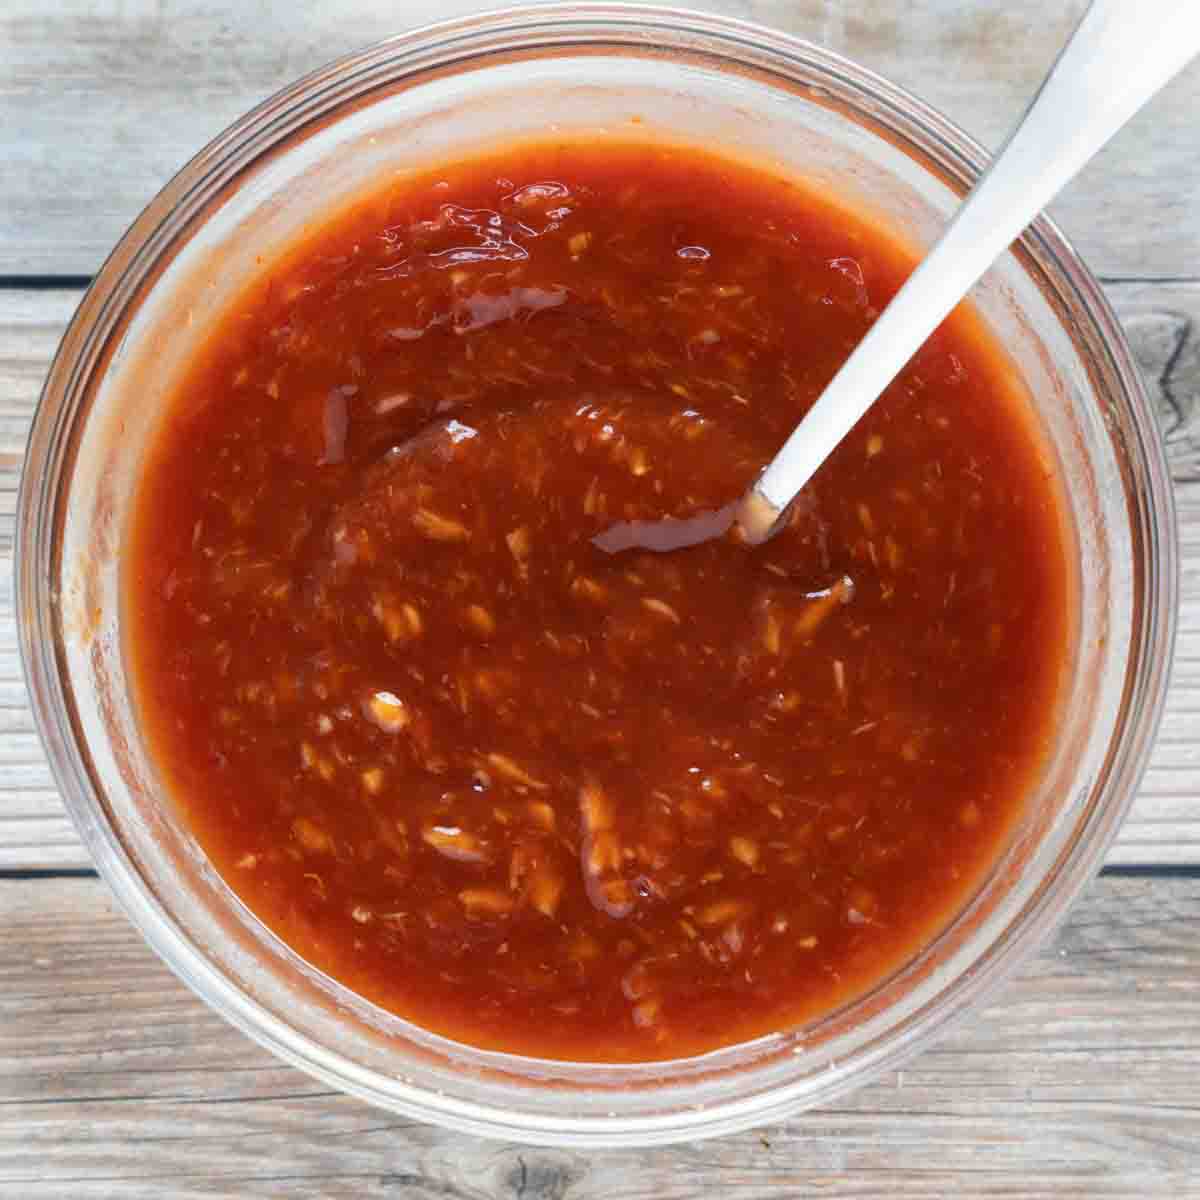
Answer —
502 777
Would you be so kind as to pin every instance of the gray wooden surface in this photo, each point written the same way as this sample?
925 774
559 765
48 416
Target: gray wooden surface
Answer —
102 100
1082 1079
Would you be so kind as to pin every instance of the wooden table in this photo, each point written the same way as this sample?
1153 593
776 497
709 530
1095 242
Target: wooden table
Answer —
1081 1079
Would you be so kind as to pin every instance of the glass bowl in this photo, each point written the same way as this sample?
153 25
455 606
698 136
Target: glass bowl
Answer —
581 70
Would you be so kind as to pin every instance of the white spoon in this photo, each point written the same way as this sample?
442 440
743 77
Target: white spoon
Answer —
1121 54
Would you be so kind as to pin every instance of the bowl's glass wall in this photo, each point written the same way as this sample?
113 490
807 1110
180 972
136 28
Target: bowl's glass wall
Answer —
421 98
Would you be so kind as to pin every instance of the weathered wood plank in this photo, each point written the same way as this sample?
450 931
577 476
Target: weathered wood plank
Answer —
34 830
1164 322
105 100
1081 1079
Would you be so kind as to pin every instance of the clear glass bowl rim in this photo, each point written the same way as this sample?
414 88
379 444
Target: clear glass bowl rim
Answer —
453 45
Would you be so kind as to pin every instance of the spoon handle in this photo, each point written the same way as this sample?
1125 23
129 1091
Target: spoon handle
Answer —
1119 56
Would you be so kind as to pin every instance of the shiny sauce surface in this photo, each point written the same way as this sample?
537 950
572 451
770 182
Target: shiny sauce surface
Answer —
473 754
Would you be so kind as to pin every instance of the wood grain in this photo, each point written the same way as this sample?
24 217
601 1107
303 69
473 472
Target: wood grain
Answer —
34 830
1164 324
1081 1079
105 99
